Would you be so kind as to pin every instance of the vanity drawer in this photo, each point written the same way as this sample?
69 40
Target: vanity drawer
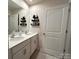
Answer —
20 46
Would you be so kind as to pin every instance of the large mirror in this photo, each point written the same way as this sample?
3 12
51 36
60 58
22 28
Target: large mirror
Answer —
18 16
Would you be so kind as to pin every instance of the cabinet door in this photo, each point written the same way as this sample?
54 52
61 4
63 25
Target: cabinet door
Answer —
33 44
24 53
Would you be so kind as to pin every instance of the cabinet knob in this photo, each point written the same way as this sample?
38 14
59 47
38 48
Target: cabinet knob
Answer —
35 41
44 34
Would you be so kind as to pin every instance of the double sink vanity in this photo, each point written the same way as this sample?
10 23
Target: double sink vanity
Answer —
23 46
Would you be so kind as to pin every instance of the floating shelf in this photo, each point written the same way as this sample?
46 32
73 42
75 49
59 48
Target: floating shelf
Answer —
23 22
35 24
35 21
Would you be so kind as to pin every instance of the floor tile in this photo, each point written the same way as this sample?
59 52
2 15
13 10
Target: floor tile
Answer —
41 55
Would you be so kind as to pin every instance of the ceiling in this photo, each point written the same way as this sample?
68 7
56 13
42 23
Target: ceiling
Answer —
13 6
33 2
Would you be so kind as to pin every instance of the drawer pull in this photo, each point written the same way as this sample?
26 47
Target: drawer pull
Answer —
24 51
35 41
44 33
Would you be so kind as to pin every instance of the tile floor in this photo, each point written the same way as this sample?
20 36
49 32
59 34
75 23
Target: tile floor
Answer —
41 55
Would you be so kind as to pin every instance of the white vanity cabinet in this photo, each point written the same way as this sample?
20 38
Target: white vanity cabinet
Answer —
24 53
34 43
24 49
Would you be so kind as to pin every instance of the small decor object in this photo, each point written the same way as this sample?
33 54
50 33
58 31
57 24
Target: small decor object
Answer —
35 20
23 21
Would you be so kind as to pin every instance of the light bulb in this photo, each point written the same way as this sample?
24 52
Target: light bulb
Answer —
30 0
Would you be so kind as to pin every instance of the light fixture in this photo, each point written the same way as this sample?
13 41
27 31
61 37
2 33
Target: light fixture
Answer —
30 0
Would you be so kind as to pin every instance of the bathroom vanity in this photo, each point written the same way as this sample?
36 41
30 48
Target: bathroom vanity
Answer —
23 47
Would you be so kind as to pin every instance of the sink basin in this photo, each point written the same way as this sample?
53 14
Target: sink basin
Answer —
16 38
18 35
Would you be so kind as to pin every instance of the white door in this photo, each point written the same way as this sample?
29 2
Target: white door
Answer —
55 30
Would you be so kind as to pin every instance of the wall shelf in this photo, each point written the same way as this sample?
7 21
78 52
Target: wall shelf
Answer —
35 20
23 22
